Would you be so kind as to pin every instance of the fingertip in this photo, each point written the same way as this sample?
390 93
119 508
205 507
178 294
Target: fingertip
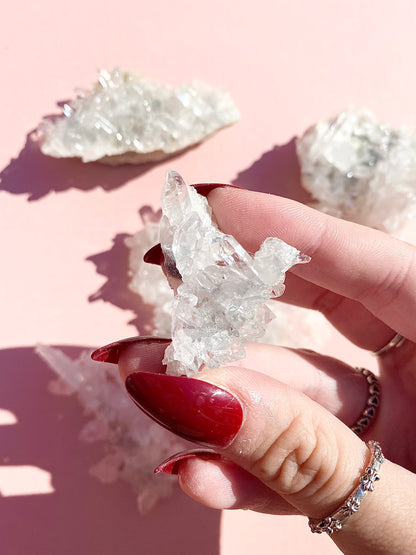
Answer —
221 484
205 483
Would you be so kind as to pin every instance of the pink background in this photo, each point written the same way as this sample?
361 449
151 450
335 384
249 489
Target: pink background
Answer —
287 64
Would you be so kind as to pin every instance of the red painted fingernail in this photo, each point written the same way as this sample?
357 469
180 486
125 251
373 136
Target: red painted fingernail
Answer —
111 352
154 255
205 188
172 464
191 408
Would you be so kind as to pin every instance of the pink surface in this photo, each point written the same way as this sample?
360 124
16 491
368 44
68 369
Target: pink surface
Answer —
287 64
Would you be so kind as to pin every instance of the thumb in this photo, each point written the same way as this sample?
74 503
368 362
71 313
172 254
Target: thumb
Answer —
277 434
291 443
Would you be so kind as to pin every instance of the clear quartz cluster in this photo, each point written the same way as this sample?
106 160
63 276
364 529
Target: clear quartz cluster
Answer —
134 444
292 326
360 170
128 118
220 303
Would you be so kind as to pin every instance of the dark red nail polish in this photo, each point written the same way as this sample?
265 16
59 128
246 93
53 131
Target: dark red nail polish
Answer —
111 352
154 255
205 188
191 408
172 464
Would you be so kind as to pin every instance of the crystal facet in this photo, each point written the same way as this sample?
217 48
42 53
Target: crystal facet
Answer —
128 118
360 170
220 302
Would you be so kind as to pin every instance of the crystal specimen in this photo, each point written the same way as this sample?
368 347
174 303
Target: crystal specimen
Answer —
360 170
134 443
219 304
292 326
128 118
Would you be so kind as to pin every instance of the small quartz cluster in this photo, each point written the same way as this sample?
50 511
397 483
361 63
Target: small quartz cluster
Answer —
360 170
220 302
292 326
128 118
134 444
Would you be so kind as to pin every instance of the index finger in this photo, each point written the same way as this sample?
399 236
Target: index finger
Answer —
357 262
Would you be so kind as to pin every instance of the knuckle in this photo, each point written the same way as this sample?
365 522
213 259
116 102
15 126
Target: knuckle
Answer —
328 303
381 296
295 463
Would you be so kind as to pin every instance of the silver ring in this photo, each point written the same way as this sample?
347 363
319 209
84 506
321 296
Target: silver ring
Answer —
373 401
336 521
393 344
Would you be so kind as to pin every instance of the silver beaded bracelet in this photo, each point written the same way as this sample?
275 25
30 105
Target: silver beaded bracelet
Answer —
336 521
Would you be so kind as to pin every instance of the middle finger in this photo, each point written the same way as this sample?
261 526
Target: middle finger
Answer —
348 316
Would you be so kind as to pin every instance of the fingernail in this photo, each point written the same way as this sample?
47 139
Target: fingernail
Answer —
172 464
111 352
205 188
154 255
191 408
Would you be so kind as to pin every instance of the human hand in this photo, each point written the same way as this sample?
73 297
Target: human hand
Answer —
279 420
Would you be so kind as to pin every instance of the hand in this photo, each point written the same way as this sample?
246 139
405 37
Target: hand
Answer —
279 420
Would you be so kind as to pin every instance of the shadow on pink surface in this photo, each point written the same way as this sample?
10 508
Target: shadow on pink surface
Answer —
113 265
80 515
276 172
36 175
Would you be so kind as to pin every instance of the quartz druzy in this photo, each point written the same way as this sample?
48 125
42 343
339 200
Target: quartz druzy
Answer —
128 118
359 169
219 302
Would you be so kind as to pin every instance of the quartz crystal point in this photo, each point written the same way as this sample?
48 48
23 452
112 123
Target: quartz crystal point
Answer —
128 118
220 302
360 170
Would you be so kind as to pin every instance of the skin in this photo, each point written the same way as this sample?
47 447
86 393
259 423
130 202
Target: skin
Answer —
295 452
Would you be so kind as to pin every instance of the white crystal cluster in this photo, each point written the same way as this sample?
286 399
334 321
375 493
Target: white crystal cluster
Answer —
360 170
128 118
292 326
220 304
135 444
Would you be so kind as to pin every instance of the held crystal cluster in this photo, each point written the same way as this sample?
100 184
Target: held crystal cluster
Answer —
360 170
128 118
292 326
220 302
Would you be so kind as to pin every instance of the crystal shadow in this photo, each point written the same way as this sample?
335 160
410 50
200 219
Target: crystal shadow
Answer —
277 172
36 175
113 264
